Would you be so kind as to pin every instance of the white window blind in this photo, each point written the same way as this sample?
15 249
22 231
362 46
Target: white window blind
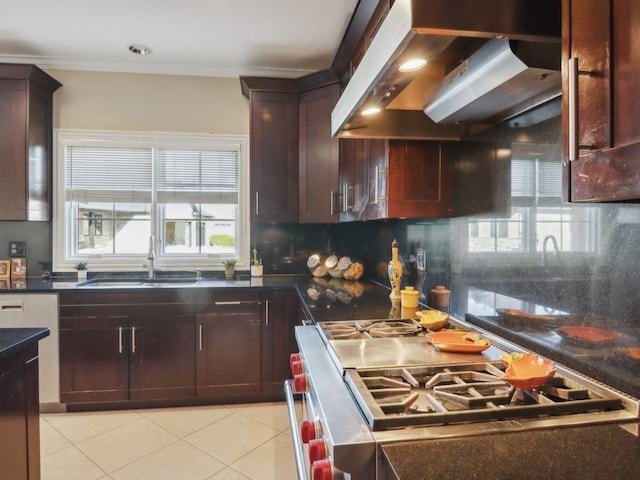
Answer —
193 176
98 174
536 178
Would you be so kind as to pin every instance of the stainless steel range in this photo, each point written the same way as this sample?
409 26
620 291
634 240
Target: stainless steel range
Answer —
363 393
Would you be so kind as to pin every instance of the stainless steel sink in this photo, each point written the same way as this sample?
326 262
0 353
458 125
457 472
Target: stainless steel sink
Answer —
166 282
129 283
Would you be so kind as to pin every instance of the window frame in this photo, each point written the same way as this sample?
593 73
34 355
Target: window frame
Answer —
62 256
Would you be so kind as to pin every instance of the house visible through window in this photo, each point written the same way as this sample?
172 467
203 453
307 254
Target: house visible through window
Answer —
115 189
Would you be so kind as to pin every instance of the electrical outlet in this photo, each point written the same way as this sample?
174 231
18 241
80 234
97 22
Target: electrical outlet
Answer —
17 249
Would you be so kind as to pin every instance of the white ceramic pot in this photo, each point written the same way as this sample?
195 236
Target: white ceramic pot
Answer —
256 270
82 275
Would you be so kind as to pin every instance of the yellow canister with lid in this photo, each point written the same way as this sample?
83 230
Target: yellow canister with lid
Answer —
409 297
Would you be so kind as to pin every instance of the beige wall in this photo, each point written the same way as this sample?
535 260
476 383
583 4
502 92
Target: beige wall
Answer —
139 102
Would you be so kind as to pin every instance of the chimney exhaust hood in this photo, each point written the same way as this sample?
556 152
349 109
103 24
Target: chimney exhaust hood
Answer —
502 79
445 33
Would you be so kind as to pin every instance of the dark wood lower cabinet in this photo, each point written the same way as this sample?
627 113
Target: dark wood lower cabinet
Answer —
94 360
19 423
161 361
175 347
229 353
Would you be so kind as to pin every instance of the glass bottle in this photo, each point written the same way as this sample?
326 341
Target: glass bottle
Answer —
395 271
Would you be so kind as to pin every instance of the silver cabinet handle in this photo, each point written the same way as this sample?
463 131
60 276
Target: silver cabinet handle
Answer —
257 203
574 120
228 303
573 109
120 346
200 337
344 198
133 339
331 194
266 312
345 194
376 192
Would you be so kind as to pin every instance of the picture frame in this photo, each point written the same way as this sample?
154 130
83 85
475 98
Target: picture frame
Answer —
5 269
18 268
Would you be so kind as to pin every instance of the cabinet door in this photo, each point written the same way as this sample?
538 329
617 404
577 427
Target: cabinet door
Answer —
162 358
230 351
377 155
354 190
26 122
419 182
274 157
319 157
283 313
13 141
94 361
19 435
230 360
600 42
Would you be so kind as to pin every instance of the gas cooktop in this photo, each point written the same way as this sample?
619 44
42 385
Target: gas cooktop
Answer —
424 395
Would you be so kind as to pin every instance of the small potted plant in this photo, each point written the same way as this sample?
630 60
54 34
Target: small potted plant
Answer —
256 265
81 267
229 269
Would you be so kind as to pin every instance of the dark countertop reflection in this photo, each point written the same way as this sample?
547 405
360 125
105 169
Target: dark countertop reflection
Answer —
537 330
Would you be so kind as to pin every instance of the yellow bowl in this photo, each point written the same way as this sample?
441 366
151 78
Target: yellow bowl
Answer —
432 319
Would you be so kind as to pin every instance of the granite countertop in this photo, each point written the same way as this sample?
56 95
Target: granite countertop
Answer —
13 340
587 452
323 298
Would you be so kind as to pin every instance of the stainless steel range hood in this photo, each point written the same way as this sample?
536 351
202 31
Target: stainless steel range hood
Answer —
445 33
502 79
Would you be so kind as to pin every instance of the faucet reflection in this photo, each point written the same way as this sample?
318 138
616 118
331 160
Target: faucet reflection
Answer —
556 250
151 256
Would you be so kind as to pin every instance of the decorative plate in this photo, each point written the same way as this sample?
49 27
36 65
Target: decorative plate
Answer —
588 335
457 341
527 370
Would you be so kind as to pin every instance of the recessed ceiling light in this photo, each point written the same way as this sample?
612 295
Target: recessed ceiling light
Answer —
412 65
139 49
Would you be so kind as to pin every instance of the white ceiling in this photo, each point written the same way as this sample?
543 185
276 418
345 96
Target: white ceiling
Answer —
227 38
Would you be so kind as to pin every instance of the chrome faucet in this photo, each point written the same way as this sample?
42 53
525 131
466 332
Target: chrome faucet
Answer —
151 256
554 243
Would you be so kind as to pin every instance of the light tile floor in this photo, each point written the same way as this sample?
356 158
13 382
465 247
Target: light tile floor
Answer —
221 442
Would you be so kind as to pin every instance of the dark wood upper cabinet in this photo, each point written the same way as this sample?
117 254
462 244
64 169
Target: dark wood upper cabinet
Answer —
319 157
600 100
274 156
383 179
26 121
419 181
354 183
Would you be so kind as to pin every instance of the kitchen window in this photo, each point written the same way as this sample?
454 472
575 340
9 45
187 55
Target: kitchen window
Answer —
115 189
537 212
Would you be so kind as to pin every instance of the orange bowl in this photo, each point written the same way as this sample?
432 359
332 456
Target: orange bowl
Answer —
527 370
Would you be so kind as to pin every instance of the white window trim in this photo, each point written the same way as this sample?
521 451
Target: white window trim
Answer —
62 259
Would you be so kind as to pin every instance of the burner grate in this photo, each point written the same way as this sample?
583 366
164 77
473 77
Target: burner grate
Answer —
430 395
344 330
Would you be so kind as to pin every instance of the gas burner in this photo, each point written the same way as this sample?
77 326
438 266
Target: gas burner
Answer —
370 329
412 396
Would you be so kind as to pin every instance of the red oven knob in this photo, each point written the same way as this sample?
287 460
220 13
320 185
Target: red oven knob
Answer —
296 368
317 450
307 431
322 470
300 383
294 357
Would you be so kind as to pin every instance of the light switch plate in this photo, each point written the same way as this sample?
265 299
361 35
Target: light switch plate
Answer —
17 249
